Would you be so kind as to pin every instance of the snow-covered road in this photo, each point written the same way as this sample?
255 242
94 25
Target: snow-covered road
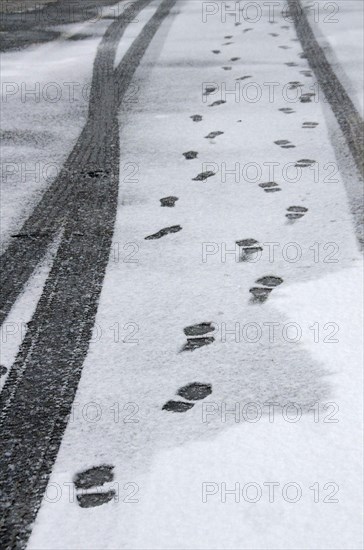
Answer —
217 261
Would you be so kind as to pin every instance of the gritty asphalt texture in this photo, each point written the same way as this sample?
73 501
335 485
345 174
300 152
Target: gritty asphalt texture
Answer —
83 200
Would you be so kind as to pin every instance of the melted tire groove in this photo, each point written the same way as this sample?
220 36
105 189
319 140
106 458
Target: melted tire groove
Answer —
39 392
347 116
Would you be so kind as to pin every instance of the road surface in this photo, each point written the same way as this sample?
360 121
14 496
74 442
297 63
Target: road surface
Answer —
193 267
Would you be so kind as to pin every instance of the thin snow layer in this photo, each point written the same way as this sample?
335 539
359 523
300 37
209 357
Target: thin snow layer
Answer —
303 452
340 24
155 288
39 131
44 102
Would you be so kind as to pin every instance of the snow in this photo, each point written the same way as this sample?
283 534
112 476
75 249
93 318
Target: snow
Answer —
339 30
40 129
305 452
153 289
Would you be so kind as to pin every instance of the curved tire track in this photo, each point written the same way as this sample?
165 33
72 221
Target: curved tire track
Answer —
37 398
23 254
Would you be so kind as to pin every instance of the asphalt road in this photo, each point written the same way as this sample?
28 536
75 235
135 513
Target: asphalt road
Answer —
81 204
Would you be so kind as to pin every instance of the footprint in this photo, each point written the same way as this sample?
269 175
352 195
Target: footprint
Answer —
227 43
168 201
247 30
196 336
195 391
306 98
203 176
270 281
244 77
190 155
287 110
274 34
95 499
247 249
261 293
270 187
177 406
291 64
310 125
295 84
163 232
304 163
195 343
296 212
247 242
285 144
209 90
218 102
196 118
306 72
235 59
3 370
228 37
285 47
285 27
192 392
212 135
237 24
216 51
198 330
225 69
93 478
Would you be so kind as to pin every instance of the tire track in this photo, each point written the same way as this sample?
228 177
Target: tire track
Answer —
347 116
23 254
37 398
